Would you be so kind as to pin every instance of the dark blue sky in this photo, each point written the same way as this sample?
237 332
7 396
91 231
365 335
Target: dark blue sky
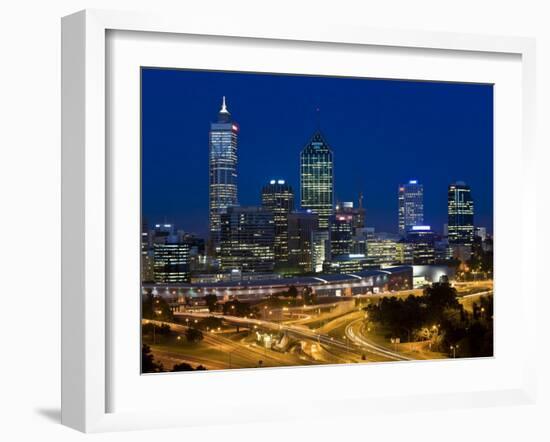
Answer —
382 132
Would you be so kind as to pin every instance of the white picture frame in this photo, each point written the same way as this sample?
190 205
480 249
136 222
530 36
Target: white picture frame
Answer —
86 200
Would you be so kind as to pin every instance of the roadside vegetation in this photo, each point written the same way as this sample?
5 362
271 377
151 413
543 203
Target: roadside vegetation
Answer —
440 318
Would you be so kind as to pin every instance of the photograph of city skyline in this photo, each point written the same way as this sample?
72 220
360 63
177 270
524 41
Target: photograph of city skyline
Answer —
295 220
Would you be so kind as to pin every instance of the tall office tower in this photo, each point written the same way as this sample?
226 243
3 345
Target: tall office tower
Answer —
341 234
278 197
357 214
411 205
171 261
301 229
461 215
147 257
222 171
320 244
422 239
317 179
247 239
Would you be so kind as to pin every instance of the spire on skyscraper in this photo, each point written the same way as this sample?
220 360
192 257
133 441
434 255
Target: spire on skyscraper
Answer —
224 110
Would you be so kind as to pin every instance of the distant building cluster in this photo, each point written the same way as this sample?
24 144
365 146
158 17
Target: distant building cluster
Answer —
319 236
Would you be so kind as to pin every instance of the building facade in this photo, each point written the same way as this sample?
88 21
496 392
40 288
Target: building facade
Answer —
247 239
422 239
341 234
411 205
382 252
147 256
317 179
321 249
302 226
278 197
357 214
223 189
169 255
461 215
171 261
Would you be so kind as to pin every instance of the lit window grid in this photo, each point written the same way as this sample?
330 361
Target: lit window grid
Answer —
411 206
223 189
317 181
461 215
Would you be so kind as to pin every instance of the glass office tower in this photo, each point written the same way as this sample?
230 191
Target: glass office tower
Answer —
317 179
278 197
246 239
461 214
411 205
222 171
302 226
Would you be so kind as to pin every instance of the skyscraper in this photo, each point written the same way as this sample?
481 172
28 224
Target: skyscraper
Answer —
320 244
317 179
171 261
423 241
341 234
461 215
222 170
278 197
357 214
147 257
170 254
411 205
246 239
302 226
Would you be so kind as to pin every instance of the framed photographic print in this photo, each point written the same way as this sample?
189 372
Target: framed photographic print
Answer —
261 211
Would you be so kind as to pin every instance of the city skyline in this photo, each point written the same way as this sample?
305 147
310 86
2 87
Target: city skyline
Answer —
162 197
284 244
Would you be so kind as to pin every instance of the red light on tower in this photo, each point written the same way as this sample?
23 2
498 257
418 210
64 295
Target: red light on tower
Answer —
235 127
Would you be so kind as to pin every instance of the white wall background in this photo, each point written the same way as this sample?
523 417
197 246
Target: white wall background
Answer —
30 214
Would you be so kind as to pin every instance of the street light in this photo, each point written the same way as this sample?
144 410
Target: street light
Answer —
454 348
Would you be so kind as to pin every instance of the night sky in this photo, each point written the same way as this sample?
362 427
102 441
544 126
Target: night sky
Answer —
382 133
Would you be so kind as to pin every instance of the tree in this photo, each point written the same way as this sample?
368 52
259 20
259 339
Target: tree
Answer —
155 307
151 328
440 296
310 297
184 366
211 302
292 291
148 364
193 335
210 322
237 308
402 317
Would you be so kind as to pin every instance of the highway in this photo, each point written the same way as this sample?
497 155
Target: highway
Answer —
359 339
326 337
224 353
357 347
